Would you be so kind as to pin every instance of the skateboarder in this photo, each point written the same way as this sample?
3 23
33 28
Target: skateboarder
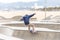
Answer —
27 23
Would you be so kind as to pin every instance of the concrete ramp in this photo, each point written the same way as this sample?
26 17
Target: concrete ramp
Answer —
36 29
26 35
26 28
4 37
42 34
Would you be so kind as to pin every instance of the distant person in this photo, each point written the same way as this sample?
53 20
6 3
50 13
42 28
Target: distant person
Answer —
27 23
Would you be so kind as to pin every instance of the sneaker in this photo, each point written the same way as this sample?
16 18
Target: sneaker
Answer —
34 31
31 31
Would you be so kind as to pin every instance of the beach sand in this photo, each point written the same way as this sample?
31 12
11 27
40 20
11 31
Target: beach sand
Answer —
39 14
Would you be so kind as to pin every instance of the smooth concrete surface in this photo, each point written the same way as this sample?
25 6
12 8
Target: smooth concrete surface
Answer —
40 35
26 35
6 31
5 37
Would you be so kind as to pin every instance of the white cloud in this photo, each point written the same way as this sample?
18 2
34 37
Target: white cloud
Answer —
10 1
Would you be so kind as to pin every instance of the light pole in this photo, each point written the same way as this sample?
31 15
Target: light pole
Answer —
45 8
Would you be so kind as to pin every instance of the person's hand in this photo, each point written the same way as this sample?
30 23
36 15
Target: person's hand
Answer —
34 13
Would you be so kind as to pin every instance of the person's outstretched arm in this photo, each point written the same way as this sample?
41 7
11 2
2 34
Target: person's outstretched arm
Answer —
31 15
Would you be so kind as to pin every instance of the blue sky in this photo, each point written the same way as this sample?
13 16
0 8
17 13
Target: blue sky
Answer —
10 1
39 2
49 2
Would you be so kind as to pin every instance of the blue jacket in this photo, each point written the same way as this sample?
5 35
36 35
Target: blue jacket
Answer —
26 18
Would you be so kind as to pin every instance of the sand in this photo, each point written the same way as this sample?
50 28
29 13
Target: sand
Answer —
39 14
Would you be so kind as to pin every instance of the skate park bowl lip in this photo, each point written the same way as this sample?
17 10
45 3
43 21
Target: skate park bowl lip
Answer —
35 22
26 28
